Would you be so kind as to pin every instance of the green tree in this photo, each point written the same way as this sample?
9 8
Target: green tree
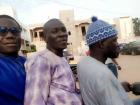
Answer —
136 27
33 48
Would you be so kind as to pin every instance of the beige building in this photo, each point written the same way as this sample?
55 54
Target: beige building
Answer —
77 30
36 34
80 29
124 26
67 17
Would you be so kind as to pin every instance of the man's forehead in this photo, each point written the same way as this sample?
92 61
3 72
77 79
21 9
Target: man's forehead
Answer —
53 22
7 22
56 26
6 19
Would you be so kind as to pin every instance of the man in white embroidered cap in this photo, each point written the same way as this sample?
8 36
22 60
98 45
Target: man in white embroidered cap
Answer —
97 83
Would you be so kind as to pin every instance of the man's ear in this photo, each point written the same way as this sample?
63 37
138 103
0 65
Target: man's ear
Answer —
44 37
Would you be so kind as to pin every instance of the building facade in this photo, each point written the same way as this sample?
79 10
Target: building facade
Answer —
36 34
124 26
77 30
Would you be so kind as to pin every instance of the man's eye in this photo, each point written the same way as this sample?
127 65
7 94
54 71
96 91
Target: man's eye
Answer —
15 30
55 31
63 29
3 29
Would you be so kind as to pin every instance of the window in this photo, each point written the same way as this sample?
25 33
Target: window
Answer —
35 35
41 36
69 43
27 43
83 30
69 33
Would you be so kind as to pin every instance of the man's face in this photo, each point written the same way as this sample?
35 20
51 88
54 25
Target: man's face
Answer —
10 39
57 36
111 47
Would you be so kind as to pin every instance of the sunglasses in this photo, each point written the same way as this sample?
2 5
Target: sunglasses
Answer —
4 30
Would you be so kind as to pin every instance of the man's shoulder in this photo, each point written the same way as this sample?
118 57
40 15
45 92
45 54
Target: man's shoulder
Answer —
84 59
37 57
92 66
87 60
86 66
40 54
22 59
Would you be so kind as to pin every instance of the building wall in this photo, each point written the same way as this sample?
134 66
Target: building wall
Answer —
37 38
125 29
36 33
76 40
81 44
67 17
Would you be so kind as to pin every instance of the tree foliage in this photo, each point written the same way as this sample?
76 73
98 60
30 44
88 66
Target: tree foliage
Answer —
136 27
33 48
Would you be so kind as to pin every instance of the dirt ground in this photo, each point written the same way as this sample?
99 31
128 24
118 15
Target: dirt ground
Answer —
130 70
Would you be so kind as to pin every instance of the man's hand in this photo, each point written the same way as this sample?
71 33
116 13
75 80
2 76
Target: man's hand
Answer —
119 67
126 86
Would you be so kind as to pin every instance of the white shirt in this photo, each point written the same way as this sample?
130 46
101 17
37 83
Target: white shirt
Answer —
109 60
98 85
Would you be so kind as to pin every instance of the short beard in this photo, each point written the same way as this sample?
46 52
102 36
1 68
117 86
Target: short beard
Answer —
113 55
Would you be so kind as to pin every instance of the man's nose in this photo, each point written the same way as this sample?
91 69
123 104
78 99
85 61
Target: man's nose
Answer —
63 34
10 35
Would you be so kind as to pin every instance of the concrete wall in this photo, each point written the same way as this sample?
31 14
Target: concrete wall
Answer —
76 40
67 17
125 28
76 37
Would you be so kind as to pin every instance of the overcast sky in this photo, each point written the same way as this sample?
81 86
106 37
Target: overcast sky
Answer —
38 11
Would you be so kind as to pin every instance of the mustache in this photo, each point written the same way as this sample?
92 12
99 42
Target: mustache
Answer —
62 38
11 41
